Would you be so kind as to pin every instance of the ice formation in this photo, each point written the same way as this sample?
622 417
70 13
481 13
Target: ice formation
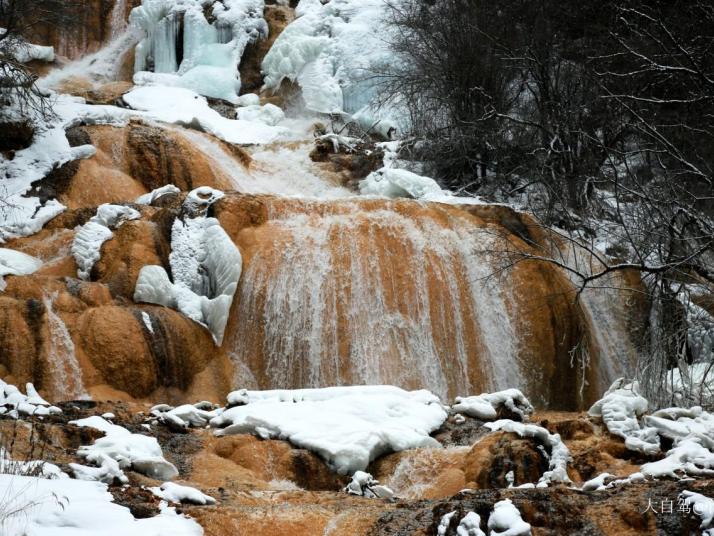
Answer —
365 485
485 406
206 59
120 449
346 426
169 491
87 245
332 51
16 263
205 264
506 520
13 403
558 452
50 507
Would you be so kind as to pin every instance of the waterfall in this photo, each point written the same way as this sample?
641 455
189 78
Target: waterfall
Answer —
65 374
373 292
117 20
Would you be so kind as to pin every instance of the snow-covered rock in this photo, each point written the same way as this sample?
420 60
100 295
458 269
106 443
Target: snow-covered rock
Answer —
620 407
701 506
169 491
395 183
558 451
506 520
205 263
268 114
365 485
148 199
485 406
87 245
24 214
186 108
184 416
136 451
444 523
16 263
346 426
470 525
14 403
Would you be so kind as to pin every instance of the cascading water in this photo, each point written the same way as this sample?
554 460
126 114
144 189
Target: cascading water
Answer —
105 64
117 21
65 373
371 292
283 169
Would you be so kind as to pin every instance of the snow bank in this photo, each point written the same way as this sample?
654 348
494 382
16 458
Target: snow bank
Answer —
205 263
485 406
182 494
13 403
55 507
189 109
87 245
118 450
506 520
620 407
559 453
365 485
346 426
211 51
16 263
